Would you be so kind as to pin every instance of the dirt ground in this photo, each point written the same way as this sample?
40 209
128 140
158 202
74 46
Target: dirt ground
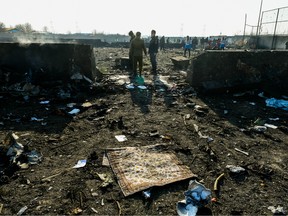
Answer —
205 131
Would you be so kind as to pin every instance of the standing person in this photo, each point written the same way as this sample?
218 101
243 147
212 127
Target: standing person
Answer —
222 43
286 44
187 46
168 40
132 36
137 49
202 41
194 43
153 50
162 43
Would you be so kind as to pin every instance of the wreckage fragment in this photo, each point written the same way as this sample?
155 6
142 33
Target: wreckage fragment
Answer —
140 168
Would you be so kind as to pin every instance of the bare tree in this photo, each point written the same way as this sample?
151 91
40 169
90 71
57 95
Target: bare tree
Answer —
45 29
20 27
26 28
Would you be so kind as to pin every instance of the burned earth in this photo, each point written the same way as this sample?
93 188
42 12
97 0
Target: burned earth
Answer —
60 155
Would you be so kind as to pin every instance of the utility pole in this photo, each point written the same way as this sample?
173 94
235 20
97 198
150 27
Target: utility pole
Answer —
244 31
258 25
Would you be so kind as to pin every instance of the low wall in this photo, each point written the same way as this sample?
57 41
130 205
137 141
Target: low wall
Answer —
269 42
45 62
213 70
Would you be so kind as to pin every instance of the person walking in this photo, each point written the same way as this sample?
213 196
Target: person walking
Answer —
132 36
153 50
137 49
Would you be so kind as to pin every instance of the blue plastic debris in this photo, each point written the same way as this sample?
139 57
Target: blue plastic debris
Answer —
196 196
273 102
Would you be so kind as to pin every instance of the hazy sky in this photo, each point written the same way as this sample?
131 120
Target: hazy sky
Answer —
167 17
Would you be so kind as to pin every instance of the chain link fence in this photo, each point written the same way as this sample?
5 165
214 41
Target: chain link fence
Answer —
274 22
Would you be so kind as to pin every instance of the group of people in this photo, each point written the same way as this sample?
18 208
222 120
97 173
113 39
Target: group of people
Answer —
216 43
212 43
138 48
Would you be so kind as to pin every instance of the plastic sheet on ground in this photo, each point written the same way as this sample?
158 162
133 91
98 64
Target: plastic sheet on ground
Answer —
139 168
272 102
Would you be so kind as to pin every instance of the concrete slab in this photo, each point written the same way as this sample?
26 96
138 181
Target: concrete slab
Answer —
123 63
239 69
46 62
180 61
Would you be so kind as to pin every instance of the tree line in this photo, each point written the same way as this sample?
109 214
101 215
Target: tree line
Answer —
25 28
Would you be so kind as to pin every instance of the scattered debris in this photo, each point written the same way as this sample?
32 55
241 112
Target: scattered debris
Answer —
17 157
121 138
147 194
74 111
259 129
28 112
34 157
130 86
216 183
87 105
277 103
270 126
196 196
259 122
119 208
80 163
200 111
76 211
22 210
105 161
106 178
243 152
279 210
274 119
94 210
209 139
154 133
15 148
160 167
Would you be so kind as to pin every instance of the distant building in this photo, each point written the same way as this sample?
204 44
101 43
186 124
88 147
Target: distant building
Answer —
10 30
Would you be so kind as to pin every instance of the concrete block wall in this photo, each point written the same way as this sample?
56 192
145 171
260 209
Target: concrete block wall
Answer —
239 69
47 62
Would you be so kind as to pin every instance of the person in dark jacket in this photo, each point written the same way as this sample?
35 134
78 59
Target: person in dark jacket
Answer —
132 36
153 50
137 49
162 43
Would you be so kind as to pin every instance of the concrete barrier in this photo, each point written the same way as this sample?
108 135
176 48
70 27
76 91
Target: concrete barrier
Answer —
45 62
220 70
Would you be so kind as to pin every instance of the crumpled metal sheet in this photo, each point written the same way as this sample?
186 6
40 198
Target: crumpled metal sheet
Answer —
139 168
